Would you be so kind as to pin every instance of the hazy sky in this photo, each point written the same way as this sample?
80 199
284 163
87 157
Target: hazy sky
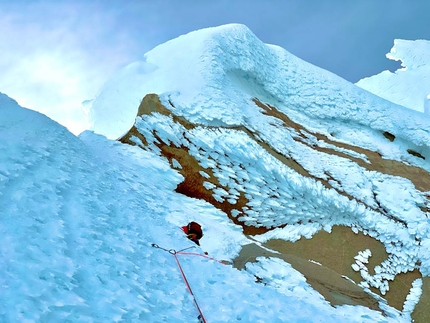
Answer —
56 54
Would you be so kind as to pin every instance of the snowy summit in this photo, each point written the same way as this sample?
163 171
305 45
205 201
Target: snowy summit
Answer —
258 146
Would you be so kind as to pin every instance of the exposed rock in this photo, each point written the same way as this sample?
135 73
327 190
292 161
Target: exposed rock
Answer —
330 284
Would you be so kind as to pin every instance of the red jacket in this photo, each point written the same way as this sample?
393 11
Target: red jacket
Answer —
194 232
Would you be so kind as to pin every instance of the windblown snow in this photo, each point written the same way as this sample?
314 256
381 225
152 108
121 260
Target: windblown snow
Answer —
79 214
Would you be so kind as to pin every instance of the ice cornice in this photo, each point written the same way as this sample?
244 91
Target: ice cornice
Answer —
411 53
408 85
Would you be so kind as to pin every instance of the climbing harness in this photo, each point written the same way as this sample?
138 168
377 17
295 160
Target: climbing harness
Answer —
201 317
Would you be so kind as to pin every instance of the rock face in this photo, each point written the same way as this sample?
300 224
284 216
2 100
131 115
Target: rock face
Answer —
334 287
274 191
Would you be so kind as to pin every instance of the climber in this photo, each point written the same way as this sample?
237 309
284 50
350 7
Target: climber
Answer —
194 232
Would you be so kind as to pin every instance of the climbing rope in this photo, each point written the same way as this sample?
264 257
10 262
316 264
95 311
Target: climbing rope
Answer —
201 317
199 255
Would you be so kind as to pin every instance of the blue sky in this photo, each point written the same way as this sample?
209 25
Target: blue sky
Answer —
56 54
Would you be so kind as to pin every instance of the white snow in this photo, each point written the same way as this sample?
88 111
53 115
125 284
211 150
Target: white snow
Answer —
79 214
413 297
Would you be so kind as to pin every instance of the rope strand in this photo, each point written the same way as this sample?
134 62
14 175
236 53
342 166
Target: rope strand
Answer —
201 317
189 289
200 255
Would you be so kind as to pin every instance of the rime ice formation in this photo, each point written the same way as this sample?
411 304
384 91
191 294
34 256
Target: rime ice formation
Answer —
211 78
213 73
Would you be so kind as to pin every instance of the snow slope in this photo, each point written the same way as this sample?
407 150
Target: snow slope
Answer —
79 216
409 85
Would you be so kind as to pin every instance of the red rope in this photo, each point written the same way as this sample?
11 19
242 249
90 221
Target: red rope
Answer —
174 253
189 287
200 255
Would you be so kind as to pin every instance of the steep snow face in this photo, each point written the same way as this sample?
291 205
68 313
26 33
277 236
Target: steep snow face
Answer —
78 217
408 86
213 73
